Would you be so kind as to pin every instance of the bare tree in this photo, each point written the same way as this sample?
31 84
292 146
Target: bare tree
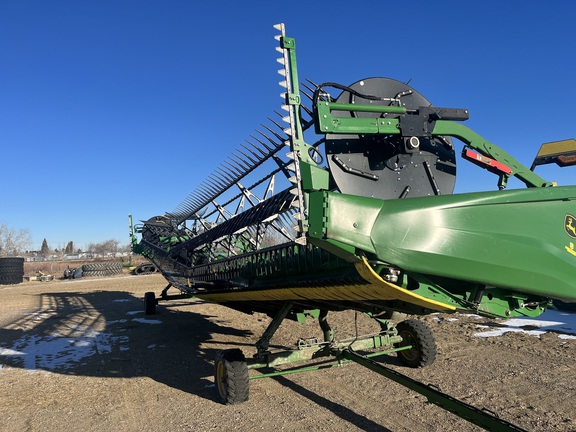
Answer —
13 242
103 248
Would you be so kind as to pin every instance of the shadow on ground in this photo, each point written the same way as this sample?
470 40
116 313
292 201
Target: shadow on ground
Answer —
107 334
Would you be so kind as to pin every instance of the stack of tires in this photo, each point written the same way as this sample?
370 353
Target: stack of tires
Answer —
102 269
11 270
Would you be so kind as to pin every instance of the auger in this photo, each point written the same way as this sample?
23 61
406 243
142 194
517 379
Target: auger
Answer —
346 202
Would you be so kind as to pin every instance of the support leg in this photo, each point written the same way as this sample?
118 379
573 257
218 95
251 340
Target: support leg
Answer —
264 342
325 326
164 293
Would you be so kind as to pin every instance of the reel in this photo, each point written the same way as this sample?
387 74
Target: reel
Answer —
388 166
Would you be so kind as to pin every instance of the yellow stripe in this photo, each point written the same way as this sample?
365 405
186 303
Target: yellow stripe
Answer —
377 289
397 293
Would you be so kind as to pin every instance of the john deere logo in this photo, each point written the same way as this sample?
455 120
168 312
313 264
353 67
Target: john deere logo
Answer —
570 225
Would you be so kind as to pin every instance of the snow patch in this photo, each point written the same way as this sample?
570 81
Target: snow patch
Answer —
560 322
146 321
54 352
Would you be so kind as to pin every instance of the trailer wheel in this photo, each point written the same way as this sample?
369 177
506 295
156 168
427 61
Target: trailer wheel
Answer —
420 337
231 377
149 303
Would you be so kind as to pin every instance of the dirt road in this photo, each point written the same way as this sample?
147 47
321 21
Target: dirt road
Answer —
81 355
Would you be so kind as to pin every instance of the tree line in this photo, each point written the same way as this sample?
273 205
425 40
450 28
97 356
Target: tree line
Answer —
15 242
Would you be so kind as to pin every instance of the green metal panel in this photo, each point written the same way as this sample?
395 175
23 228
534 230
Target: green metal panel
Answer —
513 239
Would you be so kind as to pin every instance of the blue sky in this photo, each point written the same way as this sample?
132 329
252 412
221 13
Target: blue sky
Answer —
116 107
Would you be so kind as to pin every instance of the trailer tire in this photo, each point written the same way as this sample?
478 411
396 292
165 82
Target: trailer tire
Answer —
420 337
231 377
149 303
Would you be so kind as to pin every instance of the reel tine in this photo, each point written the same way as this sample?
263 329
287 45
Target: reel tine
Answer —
216 180
276 145
247 156
277 135
285 119
208 192
223 181
309 96
313 83
262 142
223 173
308 110
239 161
233 168
258 149
276 123
207 189
215 176
307 87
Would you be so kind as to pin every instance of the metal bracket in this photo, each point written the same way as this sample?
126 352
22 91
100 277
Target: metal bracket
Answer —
421 124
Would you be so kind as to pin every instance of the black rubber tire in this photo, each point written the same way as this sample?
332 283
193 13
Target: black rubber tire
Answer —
11 270
149 303
102 269
145 268
420 337
231 377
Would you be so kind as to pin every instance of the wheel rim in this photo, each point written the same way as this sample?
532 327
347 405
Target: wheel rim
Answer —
408 339
220 380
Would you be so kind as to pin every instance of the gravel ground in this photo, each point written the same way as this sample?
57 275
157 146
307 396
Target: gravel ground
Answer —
81 355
